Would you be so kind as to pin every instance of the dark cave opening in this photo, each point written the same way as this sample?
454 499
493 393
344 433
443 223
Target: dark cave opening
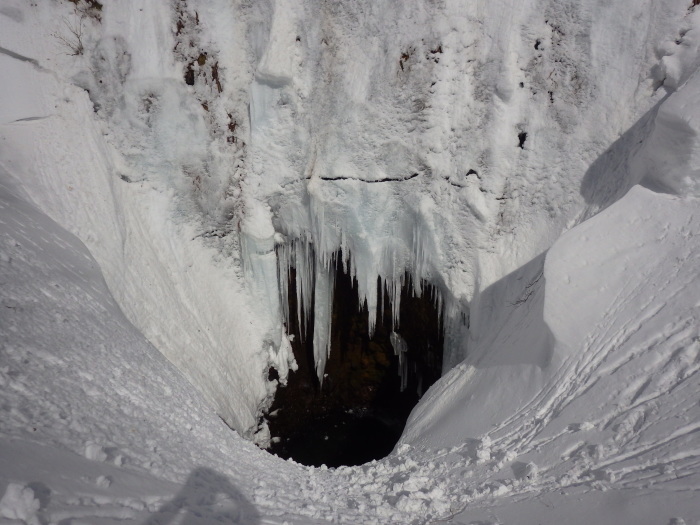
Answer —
360 410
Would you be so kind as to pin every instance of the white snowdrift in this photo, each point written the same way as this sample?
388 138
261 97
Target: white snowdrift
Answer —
670 158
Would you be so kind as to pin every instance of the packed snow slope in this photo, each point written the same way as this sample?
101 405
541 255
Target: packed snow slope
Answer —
199 149
97 426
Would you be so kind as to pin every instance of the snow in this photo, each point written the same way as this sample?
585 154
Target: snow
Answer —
385 139
134 228
670 159
19 504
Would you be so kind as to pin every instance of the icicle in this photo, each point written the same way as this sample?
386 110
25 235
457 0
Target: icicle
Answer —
371 302
305 268
396 286
333 269
417 259
382 289
400 349
371 317
323 306
300 268
283 264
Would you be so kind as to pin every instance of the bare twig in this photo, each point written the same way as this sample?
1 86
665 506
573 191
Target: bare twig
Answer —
74 42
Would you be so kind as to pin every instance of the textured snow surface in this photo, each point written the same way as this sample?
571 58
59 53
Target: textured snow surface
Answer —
200 149
97 425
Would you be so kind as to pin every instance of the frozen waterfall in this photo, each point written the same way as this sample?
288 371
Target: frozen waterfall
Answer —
377 280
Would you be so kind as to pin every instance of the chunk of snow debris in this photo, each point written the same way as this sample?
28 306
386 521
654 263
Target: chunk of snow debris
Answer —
19 503
103 482
262 436
94 452
483 454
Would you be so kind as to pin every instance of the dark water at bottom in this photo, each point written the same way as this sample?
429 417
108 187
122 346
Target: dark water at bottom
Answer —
341 439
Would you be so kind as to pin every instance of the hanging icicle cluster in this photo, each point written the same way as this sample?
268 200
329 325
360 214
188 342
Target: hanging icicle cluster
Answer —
314 280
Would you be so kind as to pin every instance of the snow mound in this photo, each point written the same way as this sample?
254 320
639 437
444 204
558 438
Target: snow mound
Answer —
590 374
203 148
19 504
670 157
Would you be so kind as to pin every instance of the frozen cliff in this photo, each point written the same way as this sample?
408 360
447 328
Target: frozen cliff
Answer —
535 163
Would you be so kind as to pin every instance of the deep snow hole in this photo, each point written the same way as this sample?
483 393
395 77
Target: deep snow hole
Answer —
370 384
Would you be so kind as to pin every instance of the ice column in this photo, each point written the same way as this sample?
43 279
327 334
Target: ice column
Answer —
257 239
260 263
304 263
323 306
400 349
